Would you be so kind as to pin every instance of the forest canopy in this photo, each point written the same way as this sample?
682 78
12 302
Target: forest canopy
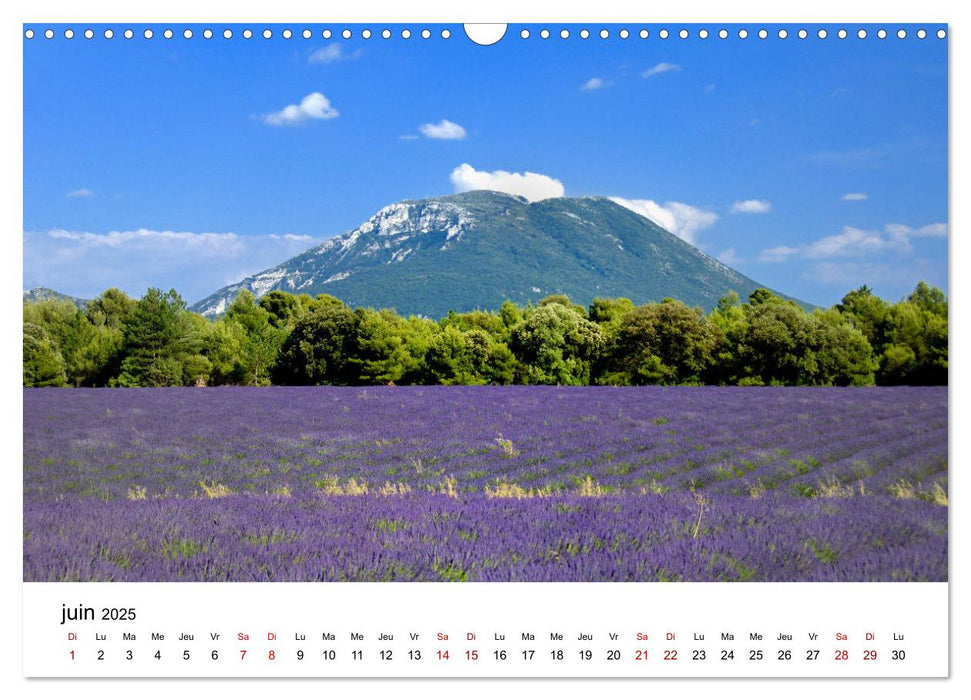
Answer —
293 339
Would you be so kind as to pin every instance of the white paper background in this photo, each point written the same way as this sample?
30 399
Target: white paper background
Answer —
21 11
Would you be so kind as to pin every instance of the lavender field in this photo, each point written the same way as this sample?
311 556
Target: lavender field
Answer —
486 484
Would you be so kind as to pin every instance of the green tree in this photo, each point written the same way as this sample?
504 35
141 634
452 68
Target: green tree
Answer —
666 343
55 316
88 350
160 342
511 314
868 313
262 339
762 296
448 359
490 322
110 309
43 364
729 324
776 334
390 349
320 348
930 299
555 345
467 357
223 347
607 312
837 353
91 352
282 308
563 300
916 348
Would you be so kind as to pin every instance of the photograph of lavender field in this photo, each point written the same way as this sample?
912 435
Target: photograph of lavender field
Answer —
486 484
591 303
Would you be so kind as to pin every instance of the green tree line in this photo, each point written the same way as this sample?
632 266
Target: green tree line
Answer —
296 339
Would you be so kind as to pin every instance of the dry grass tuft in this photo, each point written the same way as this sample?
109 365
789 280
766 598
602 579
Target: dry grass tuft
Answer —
591 489
905 490
655 487
396 489
351 488
834 488
506 447
758 489
214 490
449 487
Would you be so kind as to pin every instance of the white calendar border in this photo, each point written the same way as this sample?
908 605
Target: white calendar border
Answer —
891 11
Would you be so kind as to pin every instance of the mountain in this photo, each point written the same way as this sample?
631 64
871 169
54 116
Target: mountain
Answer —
475 250
44 294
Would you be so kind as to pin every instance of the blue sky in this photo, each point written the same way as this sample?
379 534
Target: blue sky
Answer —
813 166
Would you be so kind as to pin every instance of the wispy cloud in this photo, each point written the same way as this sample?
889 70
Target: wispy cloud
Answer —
752 206
902 231
854 242
594 84
332 53
83 192
184 240
311 108
444 129
778 254
854 197
866 156
851 273
291 237
683 220
532 186
85 263
659 69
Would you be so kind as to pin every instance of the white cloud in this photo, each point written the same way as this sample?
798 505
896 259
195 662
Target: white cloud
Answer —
683 220
532 186
728 257
83 192
854 243
850 157
660 68
850 273
752 206
443 130
290 237
778 254
85 263
332 53
594 84
854 197
907 232
313 106
184 241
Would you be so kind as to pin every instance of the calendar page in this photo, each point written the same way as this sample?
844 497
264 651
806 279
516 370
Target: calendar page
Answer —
392 349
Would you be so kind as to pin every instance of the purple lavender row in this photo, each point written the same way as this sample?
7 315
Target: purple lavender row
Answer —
432 537
101 443
247 484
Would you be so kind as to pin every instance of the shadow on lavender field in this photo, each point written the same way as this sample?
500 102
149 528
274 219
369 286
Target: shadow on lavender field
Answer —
486 483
